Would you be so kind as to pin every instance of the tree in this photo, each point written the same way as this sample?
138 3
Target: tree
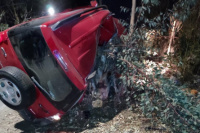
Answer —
17 11
132 16
148 77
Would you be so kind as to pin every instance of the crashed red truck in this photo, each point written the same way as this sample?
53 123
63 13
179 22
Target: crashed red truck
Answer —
45 63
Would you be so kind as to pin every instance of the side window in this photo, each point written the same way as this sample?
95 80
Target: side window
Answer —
39 63
32 46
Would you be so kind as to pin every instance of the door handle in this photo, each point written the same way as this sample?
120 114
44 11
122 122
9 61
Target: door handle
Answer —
4 52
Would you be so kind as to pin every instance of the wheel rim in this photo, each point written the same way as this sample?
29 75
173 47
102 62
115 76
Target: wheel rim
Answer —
10 92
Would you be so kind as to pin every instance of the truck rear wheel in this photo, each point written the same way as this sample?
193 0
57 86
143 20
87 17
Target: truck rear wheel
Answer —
17 91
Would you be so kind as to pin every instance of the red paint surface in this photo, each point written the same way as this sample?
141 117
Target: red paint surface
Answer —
76 41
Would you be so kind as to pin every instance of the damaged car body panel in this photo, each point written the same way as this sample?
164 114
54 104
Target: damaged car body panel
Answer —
58 54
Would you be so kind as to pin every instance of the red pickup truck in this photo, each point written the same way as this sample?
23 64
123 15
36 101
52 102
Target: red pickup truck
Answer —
45 63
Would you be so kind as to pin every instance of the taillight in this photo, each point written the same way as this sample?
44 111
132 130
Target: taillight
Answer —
55 117
2 37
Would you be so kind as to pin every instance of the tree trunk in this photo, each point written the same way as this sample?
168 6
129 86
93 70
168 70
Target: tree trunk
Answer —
176 26
132 16
171 40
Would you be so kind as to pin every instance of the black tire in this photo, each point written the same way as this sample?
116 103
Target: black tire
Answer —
26 115
23 83
29 117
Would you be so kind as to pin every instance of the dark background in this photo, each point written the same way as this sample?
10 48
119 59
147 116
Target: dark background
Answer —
28 9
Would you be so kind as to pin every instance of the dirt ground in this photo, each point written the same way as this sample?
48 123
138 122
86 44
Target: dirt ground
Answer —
110 118
10 120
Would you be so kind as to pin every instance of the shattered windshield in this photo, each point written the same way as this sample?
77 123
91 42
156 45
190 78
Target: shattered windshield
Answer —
40 64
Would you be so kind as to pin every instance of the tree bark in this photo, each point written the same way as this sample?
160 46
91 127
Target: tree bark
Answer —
171 40
132 16
176 26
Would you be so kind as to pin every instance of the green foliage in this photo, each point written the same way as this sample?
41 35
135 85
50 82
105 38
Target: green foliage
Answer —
189 45
161 98
153 2
3 27
182 9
